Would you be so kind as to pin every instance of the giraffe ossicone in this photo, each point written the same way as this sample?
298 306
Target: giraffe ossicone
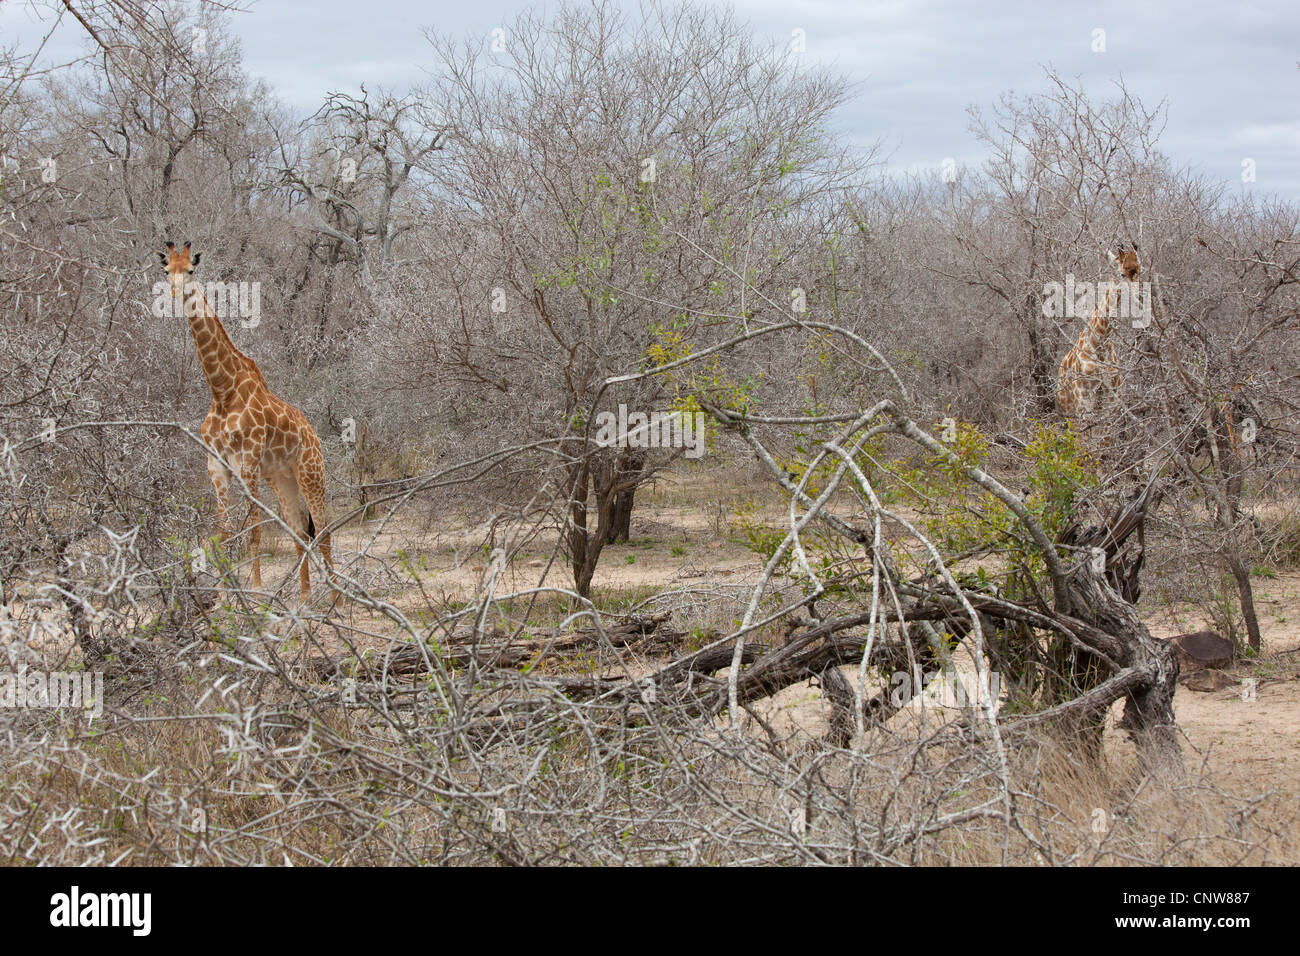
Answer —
252 430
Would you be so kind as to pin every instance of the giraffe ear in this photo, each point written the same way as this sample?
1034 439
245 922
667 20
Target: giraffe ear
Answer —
162 257
195 260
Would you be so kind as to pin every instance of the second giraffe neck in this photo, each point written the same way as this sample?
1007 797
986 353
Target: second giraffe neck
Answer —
222 362
1098 326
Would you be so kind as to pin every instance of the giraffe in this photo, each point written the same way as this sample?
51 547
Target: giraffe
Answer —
252 429
1091 368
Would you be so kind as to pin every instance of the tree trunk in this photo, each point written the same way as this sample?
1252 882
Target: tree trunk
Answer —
583 566
1152 672
1245 594
1228 471
1042 377
631 463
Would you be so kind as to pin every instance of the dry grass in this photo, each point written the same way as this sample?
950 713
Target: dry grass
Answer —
214 759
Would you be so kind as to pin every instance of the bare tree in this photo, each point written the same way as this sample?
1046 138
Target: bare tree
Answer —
603 169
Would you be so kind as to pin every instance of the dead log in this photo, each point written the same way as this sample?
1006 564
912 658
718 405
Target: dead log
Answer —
495 649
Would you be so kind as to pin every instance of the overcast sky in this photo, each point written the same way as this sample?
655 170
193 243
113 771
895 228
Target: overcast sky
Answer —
1228 71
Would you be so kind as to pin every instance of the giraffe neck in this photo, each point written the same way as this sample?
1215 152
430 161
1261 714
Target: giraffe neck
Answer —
1098 326
221 361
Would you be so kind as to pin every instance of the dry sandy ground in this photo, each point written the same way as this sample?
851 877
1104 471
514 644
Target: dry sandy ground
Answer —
1253 742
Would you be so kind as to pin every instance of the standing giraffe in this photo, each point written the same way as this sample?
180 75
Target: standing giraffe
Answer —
260 434
1091 367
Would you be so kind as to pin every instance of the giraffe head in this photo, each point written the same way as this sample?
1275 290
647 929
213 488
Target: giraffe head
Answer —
179 265
1127 261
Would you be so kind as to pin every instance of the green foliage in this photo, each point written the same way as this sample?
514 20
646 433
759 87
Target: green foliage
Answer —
960 517
687 383
1060 469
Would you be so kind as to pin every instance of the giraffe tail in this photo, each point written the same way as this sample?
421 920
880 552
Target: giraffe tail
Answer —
311 528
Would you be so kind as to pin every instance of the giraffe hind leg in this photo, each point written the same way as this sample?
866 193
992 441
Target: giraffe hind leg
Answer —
310 472
297 517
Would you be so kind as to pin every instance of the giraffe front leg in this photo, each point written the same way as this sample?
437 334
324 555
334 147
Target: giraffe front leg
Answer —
253 524
221 478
